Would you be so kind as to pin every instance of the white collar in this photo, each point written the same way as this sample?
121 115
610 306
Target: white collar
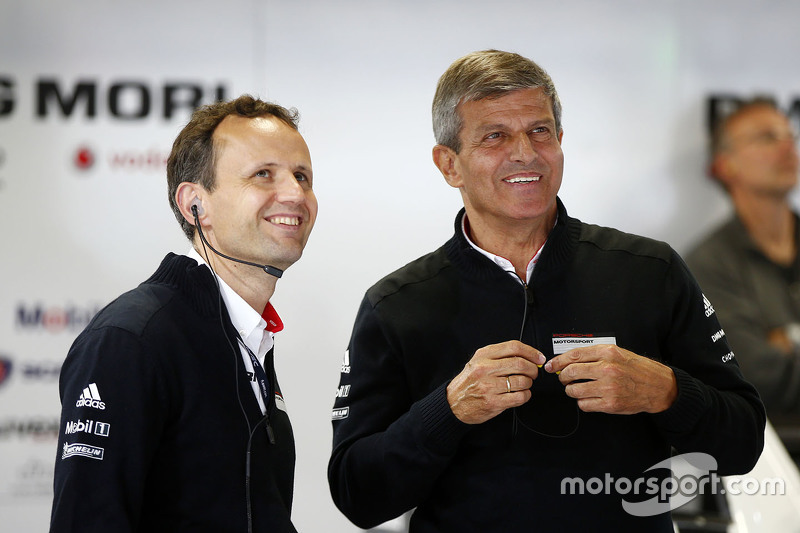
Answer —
501 261
249 323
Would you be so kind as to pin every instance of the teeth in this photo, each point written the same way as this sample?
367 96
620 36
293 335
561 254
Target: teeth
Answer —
522 180
288 221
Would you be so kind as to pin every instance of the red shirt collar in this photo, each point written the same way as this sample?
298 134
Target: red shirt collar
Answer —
274 322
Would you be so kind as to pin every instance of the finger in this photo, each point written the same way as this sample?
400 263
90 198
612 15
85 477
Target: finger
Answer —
482 368
514 399
586 354
520 367
498 369
516 383
591 405
508 349
583 390
580 372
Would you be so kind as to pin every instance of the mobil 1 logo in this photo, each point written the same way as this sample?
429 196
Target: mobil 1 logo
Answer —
88 426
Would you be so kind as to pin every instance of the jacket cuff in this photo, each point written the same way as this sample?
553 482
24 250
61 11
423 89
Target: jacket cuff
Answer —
689 405
443 429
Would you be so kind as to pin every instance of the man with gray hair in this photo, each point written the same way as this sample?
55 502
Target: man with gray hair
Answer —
531 349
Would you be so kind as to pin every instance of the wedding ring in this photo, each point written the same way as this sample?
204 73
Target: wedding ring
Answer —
508 385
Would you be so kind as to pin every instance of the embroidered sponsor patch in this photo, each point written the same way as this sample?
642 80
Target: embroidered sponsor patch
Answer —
88 426
83 450
566 342
709 309
340 413
90 397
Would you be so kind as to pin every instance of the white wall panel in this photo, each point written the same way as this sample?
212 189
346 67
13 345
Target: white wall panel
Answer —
633 77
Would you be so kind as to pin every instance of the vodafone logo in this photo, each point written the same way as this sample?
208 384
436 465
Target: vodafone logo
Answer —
5 369
84 158
124 160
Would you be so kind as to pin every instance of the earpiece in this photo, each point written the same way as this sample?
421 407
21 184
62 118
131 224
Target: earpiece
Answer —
197 207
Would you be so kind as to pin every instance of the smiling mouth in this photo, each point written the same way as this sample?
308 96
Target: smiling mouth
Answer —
285 221
522 180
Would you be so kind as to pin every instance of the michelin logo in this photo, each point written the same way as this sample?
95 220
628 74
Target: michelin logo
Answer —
83 450
88 426
340 413
90 397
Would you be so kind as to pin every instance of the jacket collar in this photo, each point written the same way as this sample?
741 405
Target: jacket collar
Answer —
559 248
194 281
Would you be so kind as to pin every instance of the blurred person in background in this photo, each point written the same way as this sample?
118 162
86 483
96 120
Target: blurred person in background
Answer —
749 267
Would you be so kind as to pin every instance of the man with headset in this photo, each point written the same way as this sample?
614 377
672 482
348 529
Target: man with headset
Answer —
532 354
172 417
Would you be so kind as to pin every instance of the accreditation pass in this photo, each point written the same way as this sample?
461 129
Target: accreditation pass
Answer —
566 342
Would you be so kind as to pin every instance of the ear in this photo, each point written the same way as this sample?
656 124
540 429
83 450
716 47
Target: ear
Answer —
720 168
189 194
445 160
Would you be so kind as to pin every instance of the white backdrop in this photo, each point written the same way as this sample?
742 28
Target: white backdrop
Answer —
634 79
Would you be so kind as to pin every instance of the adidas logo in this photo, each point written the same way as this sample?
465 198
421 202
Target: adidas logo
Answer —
709 309
90 397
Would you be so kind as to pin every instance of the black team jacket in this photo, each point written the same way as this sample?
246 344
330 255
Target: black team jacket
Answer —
545 466
155 412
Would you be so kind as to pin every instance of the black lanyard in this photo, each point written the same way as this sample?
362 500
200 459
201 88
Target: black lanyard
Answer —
264 386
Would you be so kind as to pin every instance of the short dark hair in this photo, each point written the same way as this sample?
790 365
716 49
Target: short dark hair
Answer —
478 75
719 132
193 154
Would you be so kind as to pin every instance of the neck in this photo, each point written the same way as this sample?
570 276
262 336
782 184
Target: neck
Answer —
254 285
518 242
770 223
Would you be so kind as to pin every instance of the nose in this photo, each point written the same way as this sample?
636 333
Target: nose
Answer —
522 150
787 144
289 191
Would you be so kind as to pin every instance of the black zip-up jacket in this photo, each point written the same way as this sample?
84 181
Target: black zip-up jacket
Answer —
153 430
397 445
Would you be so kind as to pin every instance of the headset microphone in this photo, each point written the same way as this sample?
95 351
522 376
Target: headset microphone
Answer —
271 270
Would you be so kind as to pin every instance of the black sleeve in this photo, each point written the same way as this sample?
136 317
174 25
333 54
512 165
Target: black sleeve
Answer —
388 450
113 405
716 411
776 375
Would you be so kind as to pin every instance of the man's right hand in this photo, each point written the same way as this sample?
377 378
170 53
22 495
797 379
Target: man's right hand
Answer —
498 377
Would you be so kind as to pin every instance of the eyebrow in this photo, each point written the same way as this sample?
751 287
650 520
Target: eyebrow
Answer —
499 126
301 166
304 169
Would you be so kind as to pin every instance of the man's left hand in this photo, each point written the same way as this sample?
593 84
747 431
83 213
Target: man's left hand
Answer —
609 379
